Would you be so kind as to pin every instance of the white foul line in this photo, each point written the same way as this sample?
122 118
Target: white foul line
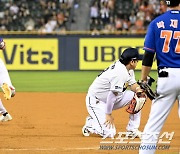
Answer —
85 148
48 149
28 149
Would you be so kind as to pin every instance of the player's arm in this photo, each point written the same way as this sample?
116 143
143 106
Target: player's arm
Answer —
116 87
133 83
111 98
147 64
135 87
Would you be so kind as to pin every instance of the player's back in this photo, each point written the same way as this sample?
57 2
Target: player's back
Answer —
167 39
102 84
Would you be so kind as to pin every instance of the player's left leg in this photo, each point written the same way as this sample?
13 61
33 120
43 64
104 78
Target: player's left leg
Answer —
5 115
134 119
124 100
133 124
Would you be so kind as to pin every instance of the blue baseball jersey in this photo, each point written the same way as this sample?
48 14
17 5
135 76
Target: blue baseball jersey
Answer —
163 38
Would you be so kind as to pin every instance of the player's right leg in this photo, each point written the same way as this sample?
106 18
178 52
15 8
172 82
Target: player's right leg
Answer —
95 120
159 112
133 125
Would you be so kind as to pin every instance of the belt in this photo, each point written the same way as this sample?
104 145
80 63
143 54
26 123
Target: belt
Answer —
165 71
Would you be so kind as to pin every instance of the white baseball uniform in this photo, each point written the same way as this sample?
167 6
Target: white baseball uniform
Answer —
4 75
115 78
4 78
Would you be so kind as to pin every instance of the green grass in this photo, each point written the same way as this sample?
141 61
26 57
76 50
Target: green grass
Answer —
50 81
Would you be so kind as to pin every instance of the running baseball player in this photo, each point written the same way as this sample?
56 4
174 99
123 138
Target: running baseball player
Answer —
162 39
108 92
6 85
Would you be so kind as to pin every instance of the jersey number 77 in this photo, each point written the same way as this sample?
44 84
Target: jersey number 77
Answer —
168 35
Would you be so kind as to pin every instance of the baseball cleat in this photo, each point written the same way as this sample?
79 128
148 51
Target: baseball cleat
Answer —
8 91
7 117
136 134
85 131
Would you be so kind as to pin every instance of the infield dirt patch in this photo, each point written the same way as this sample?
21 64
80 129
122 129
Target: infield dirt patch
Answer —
52 122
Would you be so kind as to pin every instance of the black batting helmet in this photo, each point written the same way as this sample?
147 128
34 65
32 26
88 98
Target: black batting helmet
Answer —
172 3
128 55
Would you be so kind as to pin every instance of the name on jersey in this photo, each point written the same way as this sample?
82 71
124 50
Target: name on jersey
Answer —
174 24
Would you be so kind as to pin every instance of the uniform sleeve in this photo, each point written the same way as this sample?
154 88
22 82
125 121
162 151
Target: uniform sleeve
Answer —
132 79
150 39
111 98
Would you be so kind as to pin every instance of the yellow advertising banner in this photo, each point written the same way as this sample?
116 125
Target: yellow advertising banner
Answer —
99 53
30 54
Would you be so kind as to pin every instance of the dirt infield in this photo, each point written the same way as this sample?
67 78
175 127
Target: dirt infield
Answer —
52 122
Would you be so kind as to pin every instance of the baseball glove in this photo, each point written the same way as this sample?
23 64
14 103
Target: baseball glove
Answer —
137 103
147 89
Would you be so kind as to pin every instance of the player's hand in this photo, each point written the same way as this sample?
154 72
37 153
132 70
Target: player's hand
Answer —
109 121
2 45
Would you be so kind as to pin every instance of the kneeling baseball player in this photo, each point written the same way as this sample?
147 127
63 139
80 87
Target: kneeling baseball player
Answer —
6 85
108 92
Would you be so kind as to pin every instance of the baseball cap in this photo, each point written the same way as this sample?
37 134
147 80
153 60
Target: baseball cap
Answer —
172 3
128 55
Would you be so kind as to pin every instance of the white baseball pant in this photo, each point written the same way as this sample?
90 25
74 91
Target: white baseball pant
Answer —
169 90
96 110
